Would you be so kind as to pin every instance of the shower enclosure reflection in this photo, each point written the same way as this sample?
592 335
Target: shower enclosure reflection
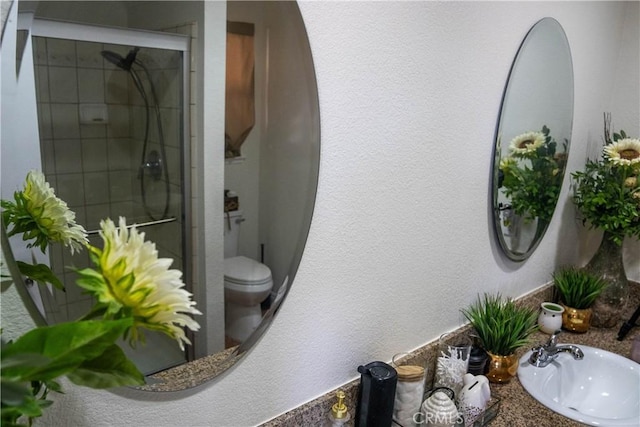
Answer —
120 156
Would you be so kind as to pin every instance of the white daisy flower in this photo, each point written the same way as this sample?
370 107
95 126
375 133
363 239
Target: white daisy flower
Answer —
132 280
527 143
624 152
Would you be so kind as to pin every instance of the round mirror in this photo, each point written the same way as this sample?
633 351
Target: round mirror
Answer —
5 6
532 139
116 94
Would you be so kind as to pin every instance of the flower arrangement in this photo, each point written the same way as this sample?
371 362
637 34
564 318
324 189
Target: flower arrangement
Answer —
607 192
532 174
134 290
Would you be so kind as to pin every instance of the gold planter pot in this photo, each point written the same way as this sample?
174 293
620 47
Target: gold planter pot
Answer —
502 368
576 320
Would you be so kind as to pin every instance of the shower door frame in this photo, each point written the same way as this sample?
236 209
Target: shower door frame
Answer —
143 39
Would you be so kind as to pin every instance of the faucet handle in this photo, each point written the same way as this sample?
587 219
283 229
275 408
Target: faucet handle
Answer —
553 341
539 356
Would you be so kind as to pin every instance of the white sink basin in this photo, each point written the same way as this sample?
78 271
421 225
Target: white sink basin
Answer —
603 389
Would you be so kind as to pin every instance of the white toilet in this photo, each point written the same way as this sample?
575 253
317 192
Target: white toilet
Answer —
246 283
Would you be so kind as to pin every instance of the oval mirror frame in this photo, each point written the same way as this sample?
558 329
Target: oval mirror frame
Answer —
209 367
532 139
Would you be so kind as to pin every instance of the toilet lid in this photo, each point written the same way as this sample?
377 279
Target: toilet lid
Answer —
243 270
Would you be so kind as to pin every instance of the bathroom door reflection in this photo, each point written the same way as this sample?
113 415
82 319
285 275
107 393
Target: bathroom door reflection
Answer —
110 121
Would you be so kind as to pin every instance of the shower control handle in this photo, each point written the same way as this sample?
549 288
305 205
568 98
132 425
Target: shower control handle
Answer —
153 164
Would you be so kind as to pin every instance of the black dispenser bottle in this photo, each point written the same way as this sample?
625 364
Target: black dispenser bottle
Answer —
376 395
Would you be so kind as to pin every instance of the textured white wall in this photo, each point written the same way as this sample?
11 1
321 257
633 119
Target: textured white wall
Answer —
401 238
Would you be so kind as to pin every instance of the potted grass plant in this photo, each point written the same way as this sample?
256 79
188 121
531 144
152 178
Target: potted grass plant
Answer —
502 327
577 290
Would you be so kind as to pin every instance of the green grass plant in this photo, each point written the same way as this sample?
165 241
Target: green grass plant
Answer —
501 325
577 288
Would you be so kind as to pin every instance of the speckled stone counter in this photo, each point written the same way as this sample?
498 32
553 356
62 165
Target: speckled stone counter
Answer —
192 374
517 407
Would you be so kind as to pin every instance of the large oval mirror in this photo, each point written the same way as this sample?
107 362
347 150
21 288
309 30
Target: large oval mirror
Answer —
118 96
532 139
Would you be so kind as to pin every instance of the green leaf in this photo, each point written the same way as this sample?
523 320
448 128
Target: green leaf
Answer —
111 369
23 360
67 345
18 400
14 393
53 386
40 273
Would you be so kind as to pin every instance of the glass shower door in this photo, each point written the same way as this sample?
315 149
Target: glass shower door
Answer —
111 137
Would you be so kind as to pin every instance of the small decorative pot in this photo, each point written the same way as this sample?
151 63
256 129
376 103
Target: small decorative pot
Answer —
550 318
502 368
440 411
474 397
576 320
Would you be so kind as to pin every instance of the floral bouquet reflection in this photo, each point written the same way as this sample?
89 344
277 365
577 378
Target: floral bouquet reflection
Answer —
133 290
531 175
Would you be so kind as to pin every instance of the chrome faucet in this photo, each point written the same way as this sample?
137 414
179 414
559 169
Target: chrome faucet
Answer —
545 354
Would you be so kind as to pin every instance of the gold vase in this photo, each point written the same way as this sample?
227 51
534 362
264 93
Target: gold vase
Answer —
576 320
502 368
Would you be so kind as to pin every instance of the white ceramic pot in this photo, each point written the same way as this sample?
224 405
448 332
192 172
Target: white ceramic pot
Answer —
550 317
474 397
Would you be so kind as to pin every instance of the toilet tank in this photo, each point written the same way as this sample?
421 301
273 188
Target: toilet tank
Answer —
231 225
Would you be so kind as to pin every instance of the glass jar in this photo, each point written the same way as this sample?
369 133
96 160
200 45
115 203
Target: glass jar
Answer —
409 389
452 362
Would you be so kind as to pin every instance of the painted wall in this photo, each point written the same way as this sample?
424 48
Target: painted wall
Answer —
401 237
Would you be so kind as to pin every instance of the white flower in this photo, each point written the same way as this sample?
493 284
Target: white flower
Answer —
527 143
132 280
39 214
508 163
623 152
631 182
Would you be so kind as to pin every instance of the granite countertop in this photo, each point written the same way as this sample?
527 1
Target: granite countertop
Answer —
517 407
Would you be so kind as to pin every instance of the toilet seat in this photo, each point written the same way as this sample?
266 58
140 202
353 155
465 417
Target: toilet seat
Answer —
242 271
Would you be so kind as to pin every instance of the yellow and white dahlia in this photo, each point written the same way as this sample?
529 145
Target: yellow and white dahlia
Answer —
42 216
527 143
624 152
132 281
